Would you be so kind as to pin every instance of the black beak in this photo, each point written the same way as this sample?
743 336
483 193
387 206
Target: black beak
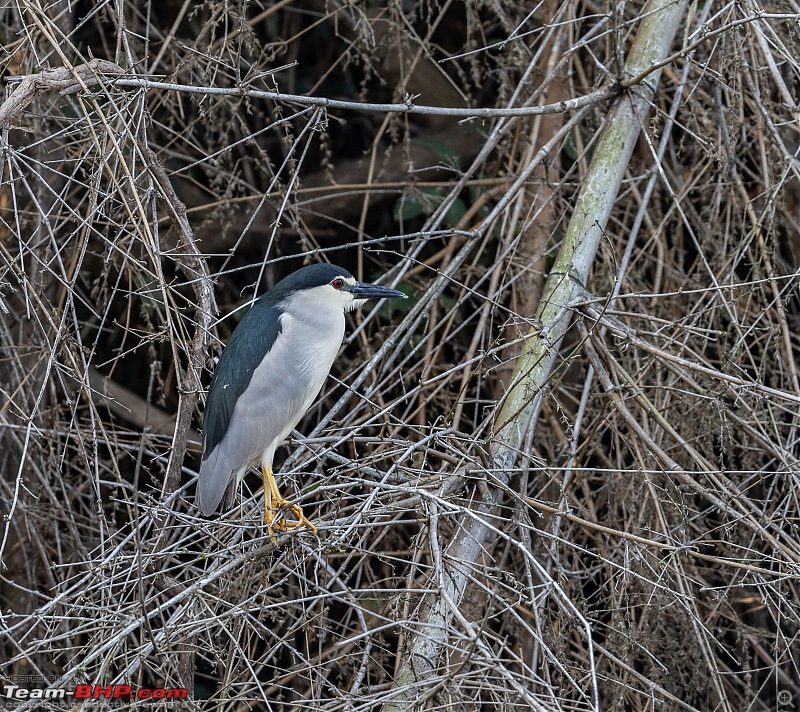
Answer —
363 290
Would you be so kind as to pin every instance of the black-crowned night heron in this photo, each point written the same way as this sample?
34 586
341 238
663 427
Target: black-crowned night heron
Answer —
269 374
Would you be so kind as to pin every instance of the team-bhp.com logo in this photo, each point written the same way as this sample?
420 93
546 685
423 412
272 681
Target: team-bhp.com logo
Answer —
95 692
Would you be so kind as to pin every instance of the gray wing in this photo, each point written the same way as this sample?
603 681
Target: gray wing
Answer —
216 480
253 428
265 412
252 339
250 342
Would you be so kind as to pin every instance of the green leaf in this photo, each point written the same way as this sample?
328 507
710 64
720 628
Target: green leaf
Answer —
457 211
152 298
441 149
423 201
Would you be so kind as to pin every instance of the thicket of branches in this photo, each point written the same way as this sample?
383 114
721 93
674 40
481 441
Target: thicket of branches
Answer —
639 550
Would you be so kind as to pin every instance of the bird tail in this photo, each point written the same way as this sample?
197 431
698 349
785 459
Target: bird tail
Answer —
212 484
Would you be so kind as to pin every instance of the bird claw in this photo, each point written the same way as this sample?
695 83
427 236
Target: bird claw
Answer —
276 506
282 525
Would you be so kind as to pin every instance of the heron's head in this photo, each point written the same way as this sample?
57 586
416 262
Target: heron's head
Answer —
329 284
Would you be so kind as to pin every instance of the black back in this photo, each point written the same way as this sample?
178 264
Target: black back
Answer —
251 340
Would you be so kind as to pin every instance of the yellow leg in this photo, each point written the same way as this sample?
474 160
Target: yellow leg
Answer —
276 502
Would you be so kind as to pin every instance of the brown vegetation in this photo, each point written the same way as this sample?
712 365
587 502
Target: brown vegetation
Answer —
512 514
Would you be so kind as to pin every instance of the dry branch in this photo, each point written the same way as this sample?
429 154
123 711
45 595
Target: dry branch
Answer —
193 264
130 406
515 419
64 80
619 532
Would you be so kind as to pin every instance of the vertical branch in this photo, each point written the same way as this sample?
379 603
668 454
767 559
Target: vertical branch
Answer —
191 261
518 410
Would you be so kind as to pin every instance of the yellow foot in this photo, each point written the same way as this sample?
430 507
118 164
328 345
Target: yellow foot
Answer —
278 503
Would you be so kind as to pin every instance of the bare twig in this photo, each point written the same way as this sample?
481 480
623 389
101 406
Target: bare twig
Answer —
63 80
617 522
516 414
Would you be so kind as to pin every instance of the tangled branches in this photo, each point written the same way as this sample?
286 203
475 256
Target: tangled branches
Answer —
634 545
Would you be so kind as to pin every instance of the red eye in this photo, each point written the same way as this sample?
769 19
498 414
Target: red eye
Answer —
337 283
